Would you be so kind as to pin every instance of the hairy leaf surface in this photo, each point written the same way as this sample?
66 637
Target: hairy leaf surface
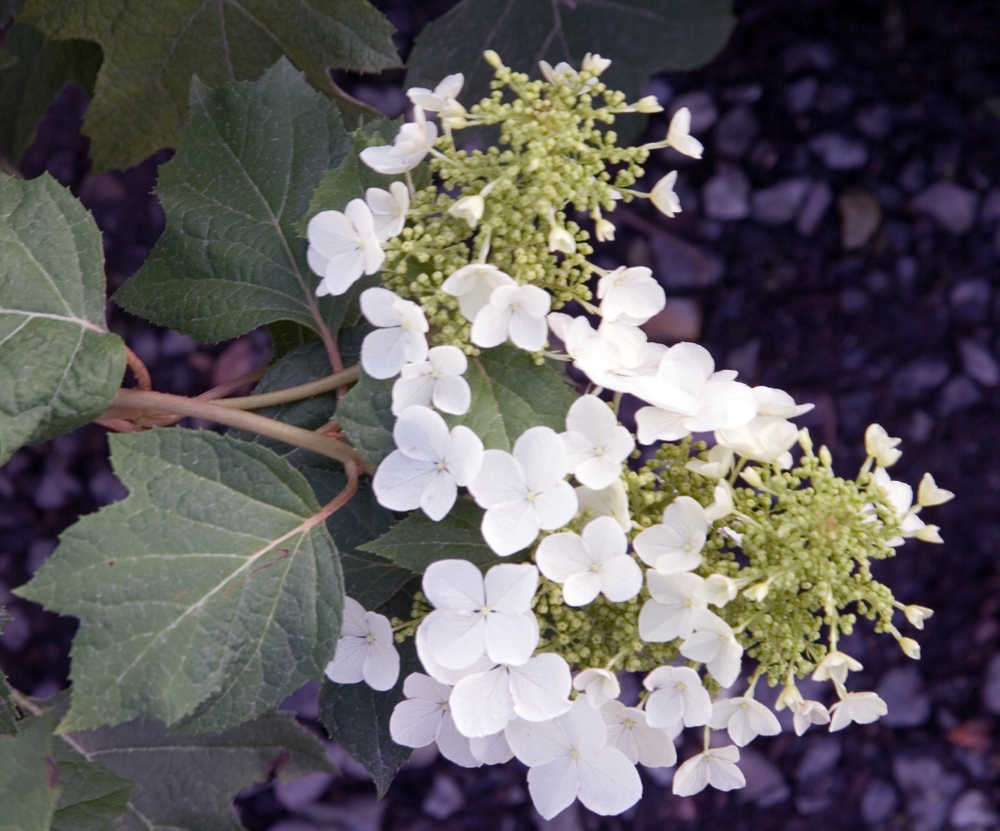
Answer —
29 785
152 49
206 591
91 797
642 37
59 366
8 714
230 259
365 416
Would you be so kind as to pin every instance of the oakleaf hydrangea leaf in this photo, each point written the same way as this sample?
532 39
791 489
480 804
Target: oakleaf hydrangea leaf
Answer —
152 48
39 70
230 259
59 365
209 585
365 416
641 37
29 785
8 714
91 797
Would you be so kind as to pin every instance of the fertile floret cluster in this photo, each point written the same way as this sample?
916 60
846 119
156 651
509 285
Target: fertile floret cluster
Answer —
701 566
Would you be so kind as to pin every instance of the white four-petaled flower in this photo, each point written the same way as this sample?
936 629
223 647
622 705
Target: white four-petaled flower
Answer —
343 246
600 686
862 707
675 545
473 284
632 292
677 696
437 381
429 464
679 135
714 645
744 718
366 650
388 209
596 444
440 97
412 143
515 312
425 717
629 732
715 766
399 341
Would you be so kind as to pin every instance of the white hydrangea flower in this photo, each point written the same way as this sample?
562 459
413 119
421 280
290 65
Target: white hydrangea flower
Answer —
429 465
723 505
388 209
424 717
778 403
663 197
715 766
568 759
440 97
862 707
679 135
343 246
412 143
669 613
592 563
901 499
719 463
483 703
835 665
765 439
674 545
524 492
596 444
515 312
443 674
689 396
476 615
880 446
437 381
916 615
594 63
808 713
744 719
611 501
473 284
604 230
366 650
491 750
677 697
470 208
399 340
714 645
600 686
718 589
628 338
561 240
632 292
929 494
629 732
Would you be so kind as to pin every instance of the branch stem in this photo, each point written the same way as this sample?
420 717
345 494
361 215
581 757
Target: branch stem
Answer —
313 388
139 370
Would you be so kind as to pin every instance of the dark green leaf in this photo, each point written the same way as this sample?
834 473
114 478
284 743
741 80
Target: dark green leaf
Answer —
187 783
641 37
91 797
230 259
59 366
152 49
510 394
287 335
41 68
357 718
8 713
417 541
28 778
206 586
365 416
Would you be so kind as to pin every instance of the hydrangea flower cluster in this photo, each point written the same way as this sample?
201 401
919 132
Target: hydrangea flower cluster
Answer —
702 566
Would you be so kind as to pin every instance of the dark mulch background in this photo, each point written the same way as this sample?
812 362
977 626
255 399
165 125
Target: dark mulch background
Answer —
841 240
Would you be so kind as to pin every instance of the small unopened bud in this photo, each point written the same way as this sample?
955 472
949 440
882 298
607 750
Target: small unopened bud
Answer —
930 494
492 58
648 104
561 240
916 615
718 589
910 647
752 477
757 592
604 230
805 441
825 457
929 533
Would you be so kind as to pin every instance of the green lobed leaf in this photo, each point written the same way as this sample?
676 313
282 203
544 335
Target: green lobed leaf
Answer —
417 541
366 419
8 712
510 394
641 37
29 785
59 366
35 74
187 783
230 259
152 48
91 797
205 592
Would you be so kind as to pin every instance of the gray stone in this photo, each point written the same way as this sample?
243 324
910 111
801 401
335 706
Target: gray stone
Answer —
860 217
929 790
743 93
835 97
991 686
809 55
765 785
56 488
743 359
735 132
680 320
814 207
960 392
305 790
971 300
779 203
682 266
973 810
918 377
913 175
174 344
879 801
905 694
853 300
953 207
921 427
726 195
359 814
568 820
660 89
979 363
820 759
106 488
874 121
800 96
16 634
990 213
704 113
839 152
444 799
